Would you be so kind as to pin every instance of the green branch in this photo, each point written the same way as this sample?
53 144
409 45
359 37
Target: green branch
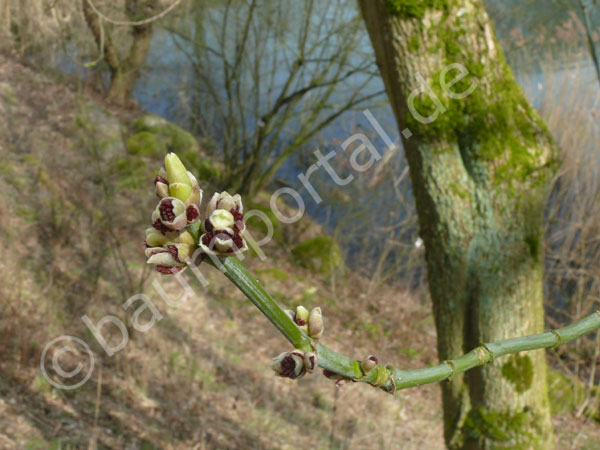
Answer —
390 378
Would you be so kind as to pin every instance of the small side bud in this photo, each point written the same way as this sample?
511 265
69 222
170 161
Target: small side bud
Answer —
369 363
301 315
310 361
301 318
315 323
289 364
162 186
196 197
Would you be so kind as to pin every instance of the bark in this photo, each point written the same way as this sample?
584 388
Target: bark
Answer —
480 175
124 72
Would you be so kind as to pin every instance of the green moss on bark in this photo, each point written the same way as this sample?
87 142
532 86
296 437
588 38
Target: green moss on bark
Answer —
414 9
518 370
509 430
491 124
495 122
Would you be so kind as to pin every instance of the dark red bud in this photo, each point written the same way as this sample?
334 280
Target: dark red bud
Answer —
192 213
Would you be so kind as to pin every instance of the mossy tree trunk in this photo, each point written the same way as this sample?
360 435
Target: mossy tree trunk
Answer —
124 71
480 175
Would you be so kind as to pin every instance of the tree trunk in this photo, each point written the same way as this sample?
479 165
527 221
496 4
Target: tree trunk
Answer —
123 78
480 163
124 72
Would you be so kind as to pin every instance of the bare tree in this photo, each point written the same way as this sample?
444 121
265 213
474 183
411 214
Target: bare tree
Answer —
271 75
124 70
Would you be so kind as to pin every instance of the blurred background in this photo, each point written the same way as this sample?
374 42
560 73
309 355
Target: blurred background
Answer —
92 96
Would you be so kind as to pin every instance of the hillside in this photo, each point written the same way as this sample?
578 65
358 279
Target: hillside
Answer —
77 193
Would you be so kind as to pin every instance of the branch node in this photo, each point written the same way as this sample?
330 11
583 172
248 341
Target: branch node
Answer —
491 353
452 369
559 339
390 370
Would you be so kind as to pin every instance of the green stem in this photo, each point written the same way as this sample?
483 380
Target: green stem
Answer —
390 378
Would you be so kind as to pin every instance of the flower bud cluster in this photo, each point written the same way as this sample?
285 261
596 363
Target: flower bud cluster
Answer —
309 322
224 225
294 364
173 238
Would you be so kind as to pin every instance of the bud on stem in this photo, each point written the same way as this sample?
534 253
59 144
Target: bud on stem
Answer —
176 171
289 364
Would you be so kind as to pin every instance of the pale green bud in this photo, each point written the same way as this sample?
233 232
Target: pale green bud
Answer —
185 237
155 238
180 191
301 318
221 219
176 171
